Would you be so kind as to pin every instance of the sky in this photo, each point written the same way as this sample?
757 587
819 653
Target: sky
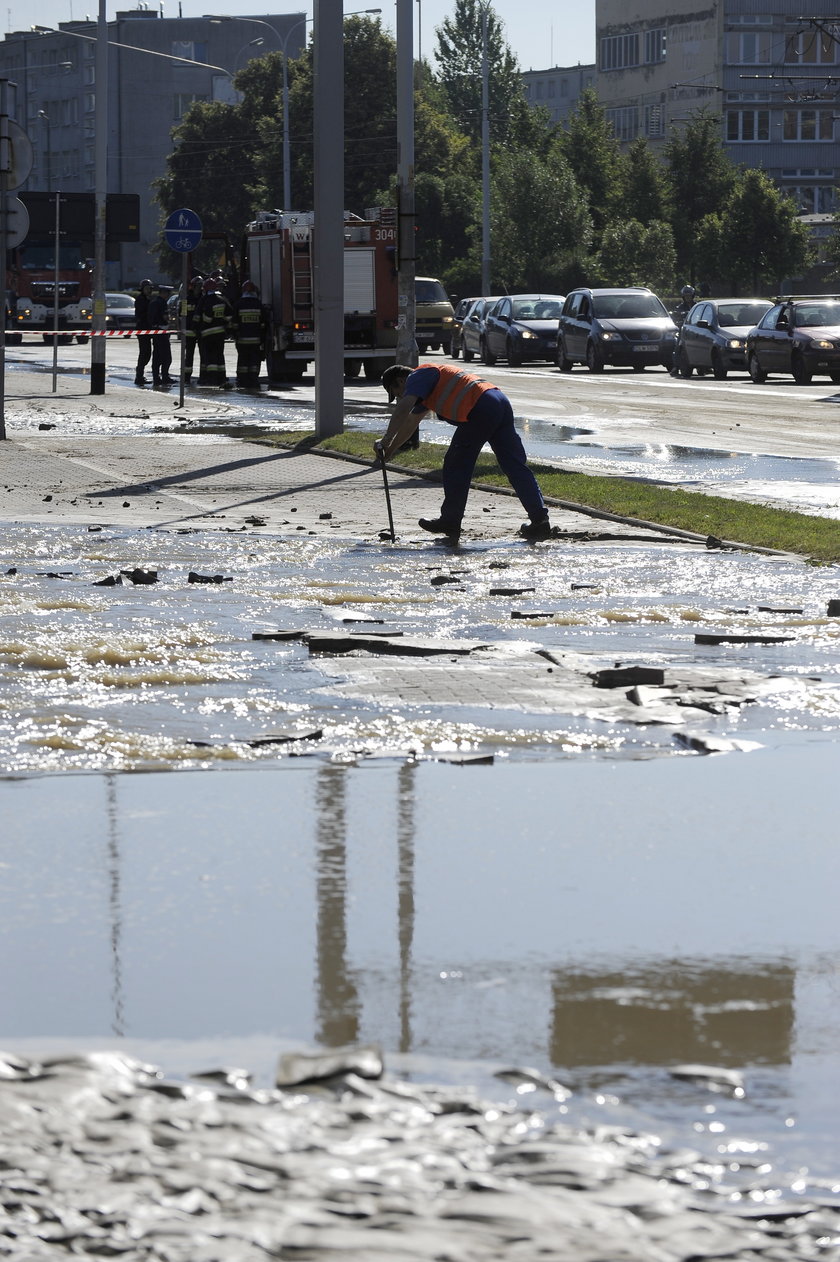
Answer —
541 33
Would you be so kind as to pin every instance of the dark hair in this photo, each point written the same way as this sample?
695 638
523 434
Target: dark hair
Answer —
393 377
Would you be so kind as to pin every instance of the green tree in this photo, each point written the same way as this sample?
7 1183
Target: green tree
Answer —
633 253
831 248
459 52
700 177
643 192
539 222
759 238
594 156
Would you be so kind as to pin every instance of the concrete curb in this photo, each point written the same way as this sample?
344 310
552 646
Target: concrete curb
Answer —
686 536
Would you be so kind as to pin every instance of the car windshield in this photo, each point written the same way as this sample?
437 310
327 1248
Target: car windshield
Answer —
816 315
536 309
429 291
743 313
119 300
627 306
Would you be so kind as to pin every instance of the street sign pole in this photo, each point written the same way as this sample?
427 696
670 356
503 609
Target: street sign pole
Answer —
183 233
15 165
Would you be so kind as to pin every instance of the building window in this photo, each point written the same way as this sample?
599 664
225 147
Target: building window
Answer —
810 48
183 101
618 52
539 90
90 75
654 120
654 46
750 19
808 125
748 125
552 88
624 122
748 48
90 102
189 49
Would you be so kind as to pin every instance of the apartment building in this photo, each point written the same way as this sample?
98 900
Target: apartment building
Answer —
156 68
772 74
558 89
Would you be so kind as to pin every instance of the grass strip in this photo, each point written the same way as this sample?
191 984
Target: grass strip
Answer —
815 538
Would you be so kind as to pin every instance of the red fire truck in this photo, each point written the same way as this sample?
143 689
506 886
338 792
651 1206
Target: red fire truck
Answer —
31 286
278 258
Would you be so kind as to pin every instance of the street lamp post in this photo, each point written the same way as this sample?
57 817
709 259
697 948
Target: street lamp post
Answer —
42 114
485 156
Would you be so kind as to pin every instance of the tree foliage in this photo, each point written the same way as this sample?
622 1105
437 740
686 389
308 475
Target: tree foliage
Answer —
756 239
594 157
633 253
642 193
701 178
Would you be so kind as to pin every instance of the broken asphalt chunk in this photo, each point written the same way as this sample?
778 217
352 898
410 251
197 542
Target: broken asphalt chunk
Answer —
706 743
780 609
714 1077
833 610
110 580
532 613
405 646
628 676
141 578
296 1068
511 591
708 637
286 736
279 635
439 579
192 577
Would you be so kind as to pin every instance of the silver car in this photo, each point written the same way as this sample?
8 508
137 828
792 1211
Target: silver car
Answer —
713 335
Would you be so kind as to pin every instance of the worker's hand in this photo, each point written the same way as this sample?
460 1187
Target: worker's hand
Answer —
379 447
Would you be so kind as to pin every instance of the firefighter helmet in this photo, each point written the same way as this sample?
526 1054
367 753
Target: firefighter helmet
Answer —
687 291
248 287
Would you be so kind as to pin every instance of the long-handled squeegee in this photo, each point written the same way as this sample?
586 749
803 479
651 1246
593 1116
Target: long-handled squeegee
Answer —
387 497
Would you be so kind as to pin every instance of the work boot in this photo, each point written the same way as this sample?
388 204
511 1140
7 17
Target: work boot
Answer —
139 380
437 526
536 529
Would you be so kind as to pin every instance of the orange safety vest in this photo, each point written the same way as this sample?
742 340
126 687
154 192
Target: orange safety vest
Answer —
456 392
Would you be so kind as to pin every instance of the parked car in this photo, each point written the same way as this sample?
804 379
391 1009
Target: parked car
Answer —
434 316
628 327
713 335
472 331
798 335
119 311
521 326
461 310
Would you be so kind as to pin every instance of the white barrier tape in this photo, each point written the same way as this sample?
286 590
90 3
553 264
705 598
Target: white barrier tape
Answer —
124 332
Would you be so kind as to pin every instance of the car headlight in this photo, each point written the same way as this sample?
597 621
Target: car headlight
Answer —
527 333
735 344
448 320
823 344
608 337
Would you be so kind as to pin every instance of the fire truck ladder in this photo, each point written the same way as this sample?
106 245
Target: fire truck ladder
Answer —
301 273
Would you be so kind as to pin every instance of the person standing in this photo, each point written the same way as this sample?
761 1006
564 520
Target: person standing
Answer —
481 413
144 340
249 329
213 324
161 349
194 293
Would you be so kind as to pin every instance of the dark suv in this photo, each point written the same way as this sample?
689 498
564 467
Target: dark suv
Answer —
799 335
628 327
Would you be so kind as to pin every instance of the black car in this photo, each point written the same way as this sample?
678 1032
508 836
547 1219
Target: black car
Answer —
521 326
628 327
713 335
461 310
798 335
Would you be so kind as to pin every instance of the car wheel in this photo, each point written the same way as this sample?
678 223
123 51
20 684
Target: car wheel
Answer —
835 377
757 373
514 355
701 371
594 358
455 350
683 366
638 365
446 348
468 355
801 375
487 356
718 367
563 361
352 368
374 369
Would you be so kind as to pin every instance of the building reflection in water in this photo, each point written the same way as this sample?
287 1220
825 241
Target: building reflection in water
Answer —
115 906
405 892
337 993
674 1011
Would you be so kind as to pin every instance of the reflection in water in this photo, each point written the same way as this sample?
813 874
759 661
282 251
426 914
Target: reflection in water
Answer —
114 905
337 994
405 892
672 1013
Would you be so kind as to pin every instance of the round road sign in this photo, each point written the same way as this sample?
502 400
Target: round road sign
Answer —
16 155
183 231
17 222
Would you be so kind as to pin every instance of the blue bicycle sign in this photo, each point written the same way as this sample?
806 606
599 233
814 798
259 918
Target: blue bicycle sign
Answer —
183 231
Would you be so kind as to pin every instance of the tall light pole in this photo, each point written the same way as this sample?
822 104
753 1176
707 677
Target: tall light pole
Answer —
42 114
485 156
100 197
407 310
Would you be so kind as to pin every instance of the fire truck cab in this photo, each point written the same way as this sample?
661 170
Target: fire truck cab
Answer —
278 258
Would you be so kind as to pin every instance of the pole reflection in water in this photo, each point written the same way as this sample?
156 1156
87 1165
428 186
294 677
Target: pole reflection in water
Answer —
115 907
338 999
405 892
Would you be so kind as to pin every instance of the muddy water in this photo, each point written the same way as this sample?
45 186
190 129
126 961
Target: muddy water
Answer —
605 922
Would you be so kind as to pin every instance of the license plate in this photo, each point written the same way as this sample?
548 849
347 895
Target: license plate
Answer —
652 349
302 337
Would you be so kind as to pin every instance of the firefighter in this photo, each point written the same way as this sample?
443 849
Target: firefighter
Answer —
249 327
141 321
195 290
161 350
213 325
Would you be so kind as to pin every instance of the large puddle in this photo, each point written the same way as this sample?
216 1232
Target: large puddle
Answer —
603 923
